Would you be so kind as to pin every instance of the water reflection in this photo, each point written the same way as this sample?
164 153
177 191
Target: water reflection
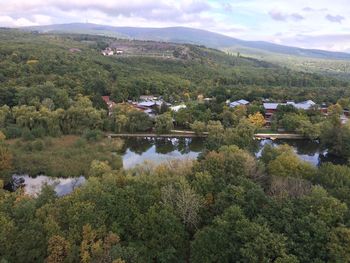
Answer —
157 150
307 150
33 185
138 150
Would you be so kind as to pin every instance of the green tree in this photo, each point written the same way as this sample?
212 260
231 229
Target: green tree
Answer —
138 121
215 137
339 245
164 123
163 236
98 168
233 238
198 127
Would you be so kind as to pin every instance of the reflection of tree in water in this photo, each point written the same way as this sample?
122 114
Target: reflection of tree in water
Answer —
304 147
326 157
139 145
164 145
196 144
183 145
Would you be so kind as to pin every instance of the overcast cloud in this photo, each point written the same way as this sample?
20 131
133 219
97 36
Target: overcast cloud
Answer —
305 23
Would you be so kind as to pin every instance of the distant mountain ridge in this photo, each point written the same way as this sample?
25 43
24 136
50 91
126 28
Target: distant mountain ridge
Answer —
187 35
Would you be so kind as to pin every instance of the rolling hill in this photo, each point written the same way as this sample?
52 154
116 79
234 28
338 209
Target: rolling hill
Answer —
191 36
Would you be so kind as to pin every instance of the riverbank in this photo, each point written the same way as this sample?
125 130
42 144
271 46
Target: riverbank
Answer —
172 134
191 134
275 136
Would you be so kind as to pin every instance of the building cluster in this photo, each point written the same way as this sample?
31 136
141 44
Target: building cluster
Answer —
151 105
148 104
110 52
271 108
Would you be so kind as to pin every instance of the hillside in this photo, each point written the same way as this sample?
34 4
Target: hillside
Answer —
329 67
38 66
187 35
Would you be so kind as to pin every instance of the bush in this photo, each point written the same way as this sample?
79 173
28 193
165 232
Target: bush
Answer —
2 136
13 131
27 135
80 143
116 144
93 135
38 145
98 168
198 127
39 132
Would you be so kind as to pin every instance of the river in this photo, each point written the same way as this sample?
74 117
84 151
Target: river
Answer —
157 150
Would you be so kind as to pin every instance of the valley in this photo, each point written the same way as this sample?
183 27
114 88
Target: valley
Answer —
164 145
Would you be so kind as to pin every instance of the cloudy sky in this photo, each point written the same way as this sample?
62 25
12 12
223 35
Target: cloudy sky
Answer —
322 24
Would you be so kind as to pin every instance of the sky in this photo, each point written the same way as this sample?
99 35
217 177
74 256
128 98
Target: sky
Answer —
321 24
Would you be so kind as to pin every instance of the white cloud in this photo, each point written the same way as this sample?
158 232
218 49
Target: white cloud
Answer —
9 22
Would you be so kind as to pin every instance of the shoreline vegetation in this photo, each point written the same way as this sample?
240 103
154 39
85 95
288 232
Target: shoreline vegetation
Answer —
191 134
72 155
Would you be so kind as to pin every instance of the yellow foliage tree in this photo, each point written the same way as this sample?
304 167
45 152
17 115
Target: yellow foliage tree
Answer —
58 249
94 248
2 136
257 119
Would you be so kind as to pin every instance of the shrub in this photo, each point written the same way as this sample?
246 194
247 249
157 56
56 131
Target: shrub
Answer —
198 127
39 132
98 168
80 143
38 145
93 135
12 131
27 135
2 136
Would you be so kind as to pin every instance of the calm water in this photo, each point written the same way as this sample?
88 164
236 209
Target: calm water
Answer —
157 150
33 185
309 151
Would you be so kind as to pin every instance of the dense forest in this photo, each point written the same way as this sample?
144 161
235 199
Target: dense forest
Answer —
229 205
29 63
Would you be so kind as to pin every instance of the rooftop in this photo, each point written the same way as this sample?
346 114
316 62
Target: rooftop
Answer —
304 105
146 103
239 102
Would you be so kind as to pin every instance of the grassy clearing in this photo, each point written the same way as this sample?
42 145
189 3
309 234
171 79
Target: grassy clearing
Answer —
67 156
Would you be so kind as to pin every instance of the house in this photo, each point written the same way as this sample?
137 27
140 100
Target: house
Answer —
178 107
271 107
107 52
152 104
305 105
147 104
238 103
110 104
324 109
